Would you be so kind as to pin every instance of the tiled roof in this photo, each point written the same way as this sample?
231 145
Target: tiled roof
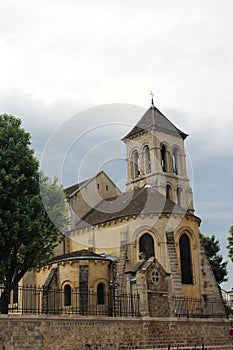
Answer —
78 254
153 119
138 201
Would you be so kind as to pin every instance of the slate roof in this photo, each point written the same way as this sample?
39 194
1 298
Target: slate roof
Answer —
78 254
153 119
146 200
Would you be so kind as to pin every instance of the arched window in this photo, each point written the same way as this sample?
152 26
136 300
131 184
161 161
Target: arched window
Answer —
136 165
175 161
179 194
100 294
146 153
185 260
163 158
67 295
146 245
168 192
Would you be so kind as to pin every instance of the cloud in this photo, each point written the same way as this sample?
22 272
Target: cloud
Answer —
88 141
62 57
39 116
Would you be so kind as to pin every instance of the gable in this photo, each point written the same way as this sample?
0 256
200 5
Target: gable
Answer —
88 194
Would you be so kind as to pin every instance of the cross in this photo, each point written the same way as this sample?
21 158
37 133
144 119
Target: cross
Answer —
152 98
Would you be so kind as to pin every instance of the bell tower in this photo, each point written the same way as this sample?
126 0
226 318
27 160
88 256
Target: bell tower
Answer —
156 158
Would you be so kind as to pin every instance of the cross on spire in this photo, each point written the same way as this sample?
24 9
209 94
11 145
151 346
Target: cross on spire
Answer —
152 99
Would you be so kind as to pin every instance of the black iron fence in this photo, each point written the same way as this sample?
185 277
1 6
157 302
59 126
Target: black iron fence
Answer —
193 307
34 300
68 301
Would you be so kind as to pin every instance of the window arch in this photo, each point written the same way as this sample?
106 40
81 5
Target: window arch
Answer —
185 259
146 245
175 161
135 164
163 158
100 294
168 192
147 163
67 295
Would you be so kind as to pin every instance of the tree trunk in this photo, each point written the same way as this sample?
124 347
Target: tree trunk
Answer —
4 300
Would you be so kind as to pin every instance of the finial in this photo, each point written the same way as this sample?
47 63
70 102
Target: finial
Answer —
152 99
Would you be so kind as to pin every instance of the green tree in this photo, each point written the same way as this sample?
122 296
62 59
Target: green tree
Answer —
27 235
230 243
212 248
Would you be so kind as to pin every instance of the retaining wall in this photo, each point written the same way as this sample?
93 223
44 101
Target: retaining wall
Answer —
80 333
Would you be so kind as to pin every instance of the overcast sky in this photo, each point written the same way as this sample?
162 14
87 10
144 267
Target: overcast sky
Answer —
60 57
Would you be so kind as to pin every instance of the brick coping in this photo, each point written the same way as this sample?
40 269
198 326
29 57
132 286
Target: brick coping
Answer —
109 319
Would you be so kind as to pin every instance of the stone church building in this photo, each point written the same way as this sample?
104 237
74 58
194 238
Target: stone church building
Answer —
144 241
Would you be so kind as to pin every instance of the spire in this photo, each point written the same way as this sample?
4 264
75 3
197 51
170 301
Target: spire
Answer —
154 119
152 107
152 100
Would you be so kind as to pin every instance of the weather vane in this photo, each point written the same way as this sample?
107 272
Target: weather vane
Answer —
152 99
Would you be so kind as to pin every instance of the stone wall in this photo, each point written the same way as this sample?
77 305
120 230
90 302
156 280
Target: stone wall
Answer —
69 333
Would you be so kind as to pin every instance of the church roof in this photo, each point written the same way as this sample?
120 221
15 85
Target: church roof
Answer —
153 119
146 200
85 254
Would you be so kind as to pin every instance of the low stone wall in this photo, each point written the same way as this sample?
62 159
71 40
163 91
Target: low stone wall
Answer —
72 333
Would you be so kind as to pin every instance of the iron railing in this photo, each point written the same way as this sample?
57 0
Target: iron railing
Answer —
34 300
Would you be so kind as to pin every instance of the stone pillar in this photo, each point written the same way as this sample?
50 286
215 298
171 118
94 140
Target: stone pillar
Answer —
142 291
182 165
141 164
168 162
155 159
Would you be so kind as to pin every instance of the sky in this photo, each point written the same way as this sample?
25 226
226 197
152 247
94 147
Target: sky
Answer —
97 62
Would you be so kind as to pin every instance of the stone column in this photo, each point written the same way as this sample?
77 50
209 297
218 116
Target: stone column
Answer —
142 291
141 164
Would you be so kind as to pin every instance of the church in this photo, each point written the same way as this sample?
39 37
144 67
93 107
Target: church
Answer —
143 243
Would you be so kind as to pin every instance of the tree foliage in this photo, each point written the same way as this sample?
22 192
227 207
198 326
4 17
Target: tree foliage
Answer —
27 235
230 243
212 248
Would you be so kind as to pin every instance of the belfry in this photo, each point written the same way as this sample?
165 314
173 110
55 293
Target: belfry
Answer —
156 157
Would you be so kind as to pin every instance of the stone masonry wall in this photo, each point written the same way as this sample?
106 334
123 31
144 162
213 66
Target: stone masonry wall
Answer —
71 333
